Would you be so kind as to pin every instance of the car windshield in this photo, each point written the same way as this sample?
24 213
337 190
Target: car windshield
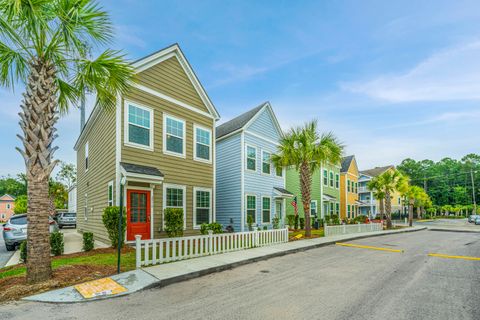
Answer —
70 214
18 220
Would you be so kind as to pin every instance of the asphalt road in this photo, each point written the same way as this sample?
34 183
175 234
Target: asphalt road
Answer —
4 254
326 283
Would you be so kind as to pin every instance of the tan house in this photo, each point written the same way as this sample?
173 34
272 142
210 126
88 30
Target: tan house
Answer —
7 203
159 141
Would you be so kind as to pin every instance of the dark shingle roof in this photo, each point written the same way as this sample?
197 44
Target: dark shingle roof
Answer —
136 168
283 191
376 171
346 163
237 122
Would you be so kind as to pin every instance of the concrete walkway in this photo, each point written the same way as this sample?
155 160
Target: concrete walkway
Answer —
73 243
165 274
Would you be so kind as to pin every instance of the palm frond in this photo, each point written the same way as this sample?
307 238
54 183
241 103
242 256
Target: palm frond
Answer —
13 66
67 95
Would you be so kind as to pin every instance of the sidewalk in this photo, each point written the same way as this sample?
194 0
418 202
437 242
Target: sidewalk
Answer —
165 274
73 243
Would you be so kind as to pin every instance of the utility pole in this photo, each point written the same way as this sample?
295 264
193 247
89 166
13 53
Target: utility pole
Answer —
473 193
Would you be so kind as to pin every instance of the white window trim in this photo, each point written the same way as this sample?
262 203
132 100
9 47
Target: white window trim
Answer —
110 184
337 186
87 163
195 127
270 170
316 207
175 186
126 123
246 208
246 158
283 173
323 177
195 189
331 182
184 144
270 214
8 206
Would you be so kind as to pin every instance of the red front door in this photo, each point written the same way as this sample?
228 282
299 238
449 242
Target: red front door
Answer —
138 214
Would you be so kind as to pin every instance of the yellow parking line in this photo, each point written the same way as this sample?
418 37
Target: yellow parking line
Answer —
453 257
367 247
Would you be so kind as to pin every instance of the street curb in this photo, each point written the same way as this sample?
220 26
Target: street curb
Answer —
452 230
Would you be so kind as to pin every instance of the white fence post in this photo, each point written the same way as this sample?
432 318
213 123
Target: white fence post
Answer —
344 229
138 251
257 240
210 242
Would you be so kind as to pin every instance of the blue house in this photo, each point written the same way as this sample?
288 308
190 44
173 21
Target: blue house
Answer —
247 183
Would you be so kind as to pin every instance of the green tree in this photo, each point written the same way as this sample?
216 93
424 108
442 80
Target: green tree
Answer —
12 186
46 46
67 174
20 204
307 150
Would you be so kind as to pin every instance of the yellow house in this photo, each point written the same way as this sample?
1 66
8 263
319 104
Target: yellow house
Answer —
349 188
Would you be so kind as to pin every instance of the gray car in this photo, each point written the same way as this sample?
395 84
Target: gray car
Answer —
477 220
15 230
473 217
67 219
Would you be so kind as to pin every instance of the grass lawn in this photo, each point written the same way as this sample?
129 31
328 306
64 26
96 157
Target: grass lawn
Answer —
315 234
68 270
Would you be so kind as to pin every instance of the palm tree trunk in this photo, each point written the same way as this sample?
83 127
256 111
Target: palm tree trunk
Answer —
382 207
305 189
388 209
38 118
410 212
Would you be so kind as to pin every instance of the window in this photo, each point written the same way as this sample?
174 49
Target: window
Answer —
337 208
85 207
348 211
86 156
173 136
251 208
313 207
337 181
356 187
266 162
203 142
8 206
325 177
266 208
203 206
174 197
331 179
251 158
139 125
110 193
279 171
348 185
399 200
331 208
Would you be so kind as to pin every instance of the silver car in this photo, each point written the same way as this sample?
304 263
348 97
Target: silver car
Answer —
473 217
477 220
67 219
15 230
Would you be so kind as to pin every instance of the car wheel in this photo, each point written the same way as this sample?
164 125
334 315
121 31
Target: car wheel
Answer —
75 226
60 226
10 247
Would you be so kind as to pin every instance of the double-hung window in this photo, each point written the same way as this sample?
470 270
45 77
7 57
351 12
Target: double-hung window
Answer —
203 207
266 162
337 208
251 158
266 209
331 179
174 136
174 197
139 126
251 207
348 211
203 144
325 177
331 208
279 171
348 185
337 181
110 193
313 207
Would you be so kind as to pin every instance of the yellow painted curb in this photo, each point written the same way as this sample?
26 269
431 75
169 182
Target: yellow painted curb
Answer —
367 247
438 255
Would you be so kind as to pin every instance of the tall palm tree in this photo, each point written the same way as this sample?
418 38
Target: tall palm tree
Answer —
387 183
45 45
412 193
378 193
307 150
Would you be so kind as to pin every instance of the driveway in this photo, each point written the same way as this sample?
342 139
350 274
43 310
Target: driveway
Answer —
4 254
326 283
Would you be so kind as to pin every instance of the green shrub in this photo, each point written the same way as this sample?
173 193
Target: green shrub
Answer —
250 223
265 228
214 226
110 221
360 218
327 220
276 222
335 219
259 229
295 222
174 222
88 241
23 251
291 220
302 223
56 243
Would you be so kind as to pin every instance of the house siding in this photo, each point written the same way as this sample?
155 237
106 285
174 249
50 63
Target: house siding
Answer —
229 194
349 198
293 185
264 126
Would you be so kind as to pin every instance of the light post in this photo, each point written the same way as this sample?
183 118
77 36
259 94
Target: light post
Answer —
120 218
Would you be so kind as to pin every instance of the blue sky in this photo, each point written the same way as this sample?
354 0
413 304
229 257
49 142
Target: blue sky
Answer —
390 79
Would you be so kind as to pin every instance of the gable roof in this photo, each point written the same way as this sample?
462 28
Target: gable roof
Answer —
149 61
346 161
7 197
376 171
242 121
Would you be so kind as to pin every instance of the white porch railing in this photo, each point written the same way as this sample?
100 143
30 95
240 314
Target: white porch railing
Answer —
352 228
156 251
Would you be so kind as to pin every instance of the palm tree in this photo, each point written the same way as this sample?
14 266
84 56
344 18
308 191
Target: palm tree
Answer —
378 193
386 184
45 45
412 193
307 150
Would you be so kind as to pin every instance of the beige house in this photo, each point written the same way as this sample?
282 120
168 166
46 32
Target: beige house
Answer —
160 141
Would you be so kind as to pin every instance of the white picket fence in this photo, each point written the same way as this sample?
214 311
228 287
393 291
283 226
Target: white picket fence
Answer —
156 251
352 228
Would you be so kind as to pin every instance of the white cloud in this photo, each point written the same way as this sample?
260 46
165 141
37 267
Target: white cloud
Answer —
452 74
